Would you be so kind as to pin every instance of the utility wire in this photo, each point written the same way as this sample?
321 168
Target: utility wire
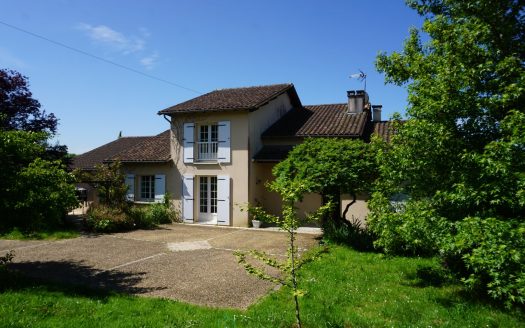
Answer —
60 44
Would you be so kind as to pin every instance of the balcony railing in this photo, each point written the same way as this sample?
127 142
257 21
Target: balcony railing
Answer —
207 150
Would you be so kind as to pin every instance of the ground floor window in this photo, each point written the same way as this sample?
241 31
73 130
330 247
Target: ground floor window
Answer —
147 187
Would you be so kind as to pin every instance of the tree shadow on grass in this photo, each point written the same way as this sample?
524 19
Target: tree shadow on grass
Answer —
72 278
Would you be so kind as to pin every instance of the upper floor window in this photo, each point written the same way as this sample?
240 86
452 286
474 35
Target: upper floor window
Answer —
208 142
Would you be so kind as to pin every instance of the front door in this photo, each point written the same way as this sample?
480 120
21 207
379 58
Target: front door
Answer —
208 200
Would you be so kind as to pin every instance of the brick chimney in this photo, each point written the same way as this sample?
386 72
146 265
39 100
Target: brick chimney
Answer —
357 101
376 113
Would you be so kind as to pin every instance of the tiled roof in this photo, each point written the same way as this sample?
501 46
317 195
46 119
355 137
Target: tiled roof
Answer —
150 149
319 121
384 129
133 149
235 99
272 153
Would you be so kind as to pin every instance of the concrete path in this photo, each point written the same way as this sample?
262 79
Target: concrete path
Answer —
190 263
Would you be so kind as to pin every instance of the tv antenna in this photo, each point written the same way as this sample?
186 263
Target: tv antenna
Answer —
361 76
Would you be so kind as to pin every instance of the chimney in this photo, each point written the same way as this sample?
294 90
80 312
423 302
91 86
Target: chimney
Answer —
376 112
357 101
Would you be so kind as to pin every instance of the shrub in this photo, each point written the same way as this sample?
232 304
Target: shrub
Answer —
103 218
45 193
412 227
159 213
489 254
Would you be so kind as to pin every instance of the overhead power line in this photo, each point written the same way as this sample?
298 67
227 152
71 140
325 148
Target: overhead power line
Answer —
107 61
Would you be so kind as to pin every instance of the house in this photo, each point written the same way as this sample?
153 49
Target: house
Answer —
221 147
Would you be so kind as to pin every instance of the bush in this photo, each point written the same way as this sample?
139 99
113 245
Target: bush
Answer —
489 254
44 194
411 228
159 213
103 218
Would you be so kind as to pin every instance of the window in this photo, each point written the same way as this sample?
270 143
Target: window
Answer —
147 187
208 142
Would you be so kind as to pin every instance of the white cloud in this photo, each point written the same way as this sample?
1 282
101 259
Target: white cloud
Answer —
149 61
117 41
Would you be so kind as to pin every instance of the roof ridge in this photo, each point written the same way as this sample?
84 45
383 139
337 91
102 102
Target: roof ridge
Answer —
333 104
255 86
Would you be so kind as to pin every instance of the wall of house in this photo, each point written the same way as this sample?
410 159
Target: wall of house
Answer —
260 120
237 169
272 202
138 169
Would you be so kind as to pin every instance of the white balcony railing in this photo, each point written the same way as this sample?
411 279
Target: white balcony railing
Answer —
207 150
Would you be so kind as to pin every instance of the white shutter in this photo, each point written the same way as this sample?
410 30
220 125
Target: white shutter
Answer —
224 153
130 182
160 187
188 142
187 198
223 200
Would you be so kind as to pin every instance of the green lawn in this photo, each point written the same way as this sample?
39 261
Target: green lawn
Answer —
64 232
345 289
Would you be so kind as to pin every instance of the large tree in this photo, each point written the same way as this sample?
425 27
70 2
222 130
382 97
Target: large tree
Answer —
19 110
330 167
35 189
460 156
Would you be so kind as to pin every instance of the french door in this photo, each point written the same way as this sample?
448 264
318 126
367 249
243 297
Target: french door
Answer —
208 199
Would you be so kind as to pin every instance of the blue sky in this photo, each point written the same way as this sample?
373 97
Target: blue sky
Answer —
201 45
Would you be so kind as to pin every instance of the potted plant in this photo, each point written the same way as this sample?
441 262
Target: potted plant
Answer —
256 223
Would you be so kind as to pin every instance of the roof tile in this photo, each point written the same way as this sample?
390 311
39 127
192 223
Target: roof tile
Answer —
234 99
127 149
319 121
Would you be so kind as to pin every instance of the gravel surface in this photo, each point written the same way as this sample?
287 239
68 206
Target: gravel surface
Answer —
190 263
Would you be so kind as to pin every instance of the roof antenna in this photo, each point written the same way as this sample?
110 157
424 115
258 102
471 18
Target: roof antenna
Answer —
361 76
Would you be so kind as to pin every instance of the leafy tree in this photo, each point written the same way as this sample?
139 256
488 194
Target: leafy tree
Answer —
288 222
460 156
19 111
109 182
34 193
329 167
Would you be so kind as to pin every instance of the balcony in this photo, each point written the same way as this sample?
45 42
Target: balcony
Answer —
207 151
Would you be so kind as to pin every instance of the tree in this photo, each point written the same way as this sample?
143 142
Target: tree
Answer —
459 158
109 181
19 111
291 193
329 167
34 193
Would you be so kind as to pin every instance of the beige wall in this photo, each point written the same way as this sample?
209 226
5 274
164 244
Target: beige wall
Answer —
311 202
261 120
138 169
237 169
245 140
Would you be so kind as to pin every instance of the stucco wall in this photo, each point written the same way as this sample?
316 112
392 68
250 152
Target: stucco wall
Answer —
273 204
237 169
138 169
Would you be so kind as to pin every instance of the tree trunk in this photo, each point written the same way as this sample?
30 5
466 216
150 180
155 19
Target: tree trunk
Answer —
348 205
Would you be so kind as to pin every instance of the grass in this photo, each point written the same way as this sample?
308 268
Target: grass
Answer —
62 232
345 289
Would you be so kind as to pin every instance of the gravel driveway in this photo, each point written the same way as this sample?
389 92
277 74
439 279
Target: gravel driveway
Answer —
190 263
